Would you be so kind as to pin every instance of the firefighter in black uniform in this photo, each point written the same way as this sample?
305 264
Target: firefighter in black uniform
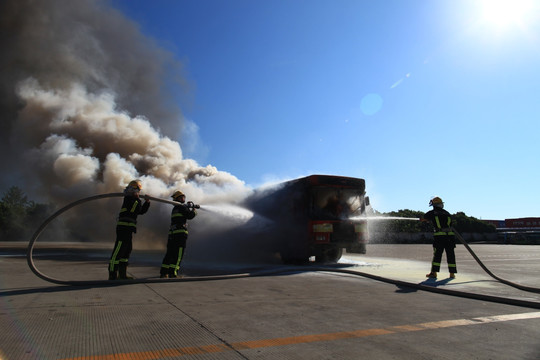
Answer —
443 238
125 227
178 234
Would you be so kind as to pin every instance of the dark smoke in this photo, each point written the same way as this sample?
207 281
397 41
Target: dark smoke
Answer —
86 107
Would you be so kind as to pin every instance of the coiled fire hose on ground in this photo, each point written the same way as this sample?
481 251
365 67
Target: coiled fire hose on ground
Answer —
275 271
30 249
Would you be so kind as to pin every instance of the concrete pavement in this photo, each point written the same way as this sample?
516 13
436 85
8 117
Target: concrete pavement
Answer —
291 315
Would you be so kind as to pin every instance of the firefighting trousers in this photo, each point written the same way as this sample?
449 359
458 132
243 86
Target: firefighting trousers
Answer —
442 243
176 246
122 248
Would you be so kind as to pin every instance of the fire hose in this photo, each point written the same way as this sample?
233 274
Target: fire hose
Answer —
280 270
30 249
509 283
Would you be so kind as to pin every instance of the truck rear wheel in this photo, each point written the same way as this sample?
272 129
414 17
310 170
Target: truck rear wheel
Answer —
329 255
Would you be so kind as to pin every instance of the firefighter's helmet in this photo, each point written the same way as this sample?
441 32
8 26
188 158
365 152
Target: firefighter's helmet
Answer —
177 194
135 184
436 202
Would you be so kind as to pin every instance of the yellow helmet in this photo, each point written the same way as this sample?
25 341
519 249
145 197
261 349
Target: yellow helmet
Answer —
177 194
135 184
436 202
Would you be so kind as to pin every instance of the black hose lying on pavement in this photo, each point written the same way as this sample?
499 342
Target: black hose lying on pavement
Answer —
509 283
280 270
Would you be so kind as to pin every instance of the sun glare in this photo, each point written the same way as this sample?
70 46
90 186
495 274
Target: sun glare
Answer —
502 13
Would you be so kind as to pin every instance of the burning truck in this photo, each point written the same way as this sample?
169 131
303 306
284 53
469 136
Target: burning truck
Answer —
315 216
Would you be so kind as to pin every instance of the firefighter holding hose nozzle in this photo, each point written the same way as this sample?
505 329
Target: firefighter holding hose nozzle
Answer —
443 238
178 234
125 227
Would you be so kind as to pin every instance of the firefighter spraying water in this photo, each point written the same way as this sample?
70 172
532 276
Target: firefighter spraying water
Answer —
125 228
443 238
178 234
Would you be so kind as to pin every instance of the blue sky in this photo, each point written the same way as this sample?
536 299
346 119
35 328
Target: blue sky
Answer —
420 98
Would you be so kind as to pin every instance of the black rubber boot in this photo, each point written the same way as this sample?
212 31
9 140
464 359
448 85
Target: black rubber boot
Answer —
172 273
122 272
113 275
163 272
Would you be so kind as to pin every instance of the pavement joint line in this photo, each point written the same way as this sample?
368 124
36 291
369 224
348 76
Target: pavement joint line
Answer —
224 346
303 339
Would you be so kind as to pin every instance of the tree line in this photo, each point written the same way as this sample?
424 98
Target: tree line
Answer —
19 217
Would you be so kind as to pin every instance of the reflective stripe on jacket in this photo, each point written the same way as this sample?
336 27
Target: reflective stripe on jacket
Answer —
179 216
131 208
441 221
443 230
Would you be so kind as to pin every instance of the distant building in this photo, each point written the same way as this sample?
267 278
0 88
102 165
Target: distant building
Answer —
519 223
518 231
530 222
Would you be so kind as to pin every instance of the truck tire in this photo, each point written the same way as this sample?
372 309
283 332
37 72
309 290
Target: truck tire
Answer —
331 255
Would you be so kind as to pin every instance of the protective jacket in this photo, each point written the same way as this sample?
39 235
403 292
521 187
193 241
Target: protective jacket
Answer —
179 216
131 208
441 220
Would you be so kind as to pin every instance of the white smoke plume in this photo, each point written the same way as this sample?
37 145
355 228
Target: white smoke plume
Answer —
86 107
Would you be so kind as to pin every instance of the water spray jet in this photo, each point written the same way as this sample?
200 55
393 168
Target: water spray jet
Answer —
231 211
379 218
